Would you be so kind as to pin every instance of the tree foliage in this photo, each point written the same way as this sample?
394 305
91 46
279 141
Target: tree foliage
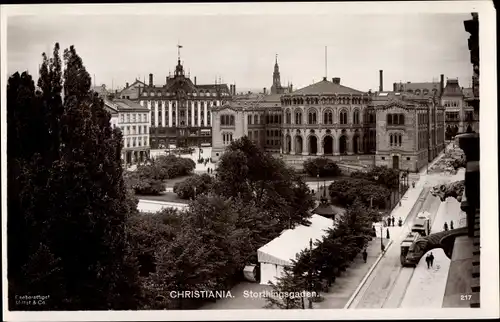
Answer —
322 166
67 200
186 189
317 267
247 172
382 175
345 192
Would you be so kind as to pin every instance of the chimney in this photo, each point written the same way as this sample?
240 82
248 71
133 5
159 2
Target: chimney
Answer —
126 85
151 80
336 80
234 89
195 80
264 91
441 85
381 82
291 87
394 87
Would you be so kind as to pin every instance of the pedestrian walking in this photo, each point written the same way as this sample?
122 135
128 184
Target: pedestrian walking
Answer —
451 224
400 222
392 219
445 226
365 255
388 236
428 261
431 259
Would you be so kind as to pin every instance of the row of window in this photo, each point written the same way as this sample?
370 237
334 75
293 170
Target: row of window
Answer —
395 119
323 101
136 142
133 117
328 117
253 135
188 104
207 93
273 133
227 120
227 138
396 139
182 115
273 142
451 104
134 129
452 116
423 118
418 91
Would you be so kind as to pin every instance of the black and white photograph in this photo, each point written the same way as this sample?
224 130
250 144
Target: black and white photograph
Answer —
197 161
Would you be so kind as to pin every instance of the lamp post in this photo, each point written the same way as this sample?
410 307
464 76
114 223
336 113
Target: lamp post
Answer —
381 239
317 176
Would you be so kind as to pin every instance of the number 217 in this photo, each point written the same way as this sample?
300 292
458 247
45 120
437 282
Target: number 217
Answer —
465 297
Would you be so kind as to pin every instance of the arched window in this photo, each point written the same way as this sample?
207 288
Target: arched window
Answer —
401 119
298 118
328 117
391 139
343 117
288 117
312 117
400 137
249 119
356 117
255 119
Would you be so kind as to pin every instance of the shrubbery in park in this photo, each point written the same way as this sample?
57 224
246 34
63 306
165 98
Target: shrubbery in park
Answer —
67 202
322 166
193 185
149 179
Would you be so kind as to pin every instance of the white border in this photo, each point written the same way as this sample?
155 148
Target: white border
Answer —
488 117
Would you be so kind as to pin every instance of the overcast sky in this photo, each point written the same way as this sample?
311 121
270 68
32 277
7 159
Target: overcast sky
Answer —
241 49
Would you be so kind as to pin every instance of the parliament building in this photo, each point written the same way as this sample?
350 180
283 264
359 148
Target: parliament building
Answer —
397 129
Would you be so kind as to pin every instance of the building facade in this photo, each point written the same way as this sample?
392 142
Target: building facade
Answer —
399 130
257 116
180 110
459 103
134 122
410 129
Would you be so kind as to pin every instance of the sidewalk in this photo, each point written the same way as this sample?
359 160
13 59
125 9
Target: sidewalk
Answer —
345 285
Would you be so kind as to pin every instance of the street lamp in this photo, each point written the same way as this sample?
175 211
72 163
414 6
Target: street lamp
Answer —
317 176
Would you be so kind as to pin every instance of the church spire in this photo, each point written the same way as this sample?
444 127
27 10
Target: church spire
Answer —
276 87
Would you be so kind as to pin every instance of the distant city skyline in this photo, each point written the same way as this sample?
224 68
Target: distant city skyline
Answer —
117 49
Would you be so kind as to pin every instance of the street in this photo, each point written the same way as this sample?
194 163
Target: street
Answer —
387 285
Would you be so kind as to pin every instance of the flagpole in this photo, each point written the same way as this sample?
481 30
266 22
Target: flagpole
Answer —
326 62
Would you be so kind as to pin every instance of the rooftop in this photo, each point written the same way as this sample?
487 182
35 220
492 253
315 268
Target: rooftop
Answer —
326 87
125 104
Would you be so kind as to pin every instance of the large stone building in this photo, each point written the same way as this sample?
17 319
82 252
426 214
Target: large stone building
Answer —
179 109
458 101
400 130
133 120
409 129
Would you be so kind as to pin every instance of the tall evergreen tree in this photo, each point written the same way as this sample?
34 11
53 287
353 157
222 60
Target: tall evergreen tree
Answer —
72 203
